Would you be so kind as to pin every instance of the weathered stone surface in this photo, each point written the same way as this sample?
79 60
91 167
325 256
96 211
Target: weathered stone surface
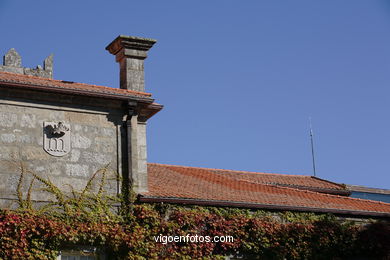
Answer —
75 155
80 141
91 129
130 52
7 181
12 69
12 62
97 158
138 139
53 169
12 59
40 142
28 120
104 144
93 136
77 170
8 119
38 72
81 118
142 152
67 183
9 153
108 132
48 65
7 138
8 167
77 127
34 153
57 116
25 139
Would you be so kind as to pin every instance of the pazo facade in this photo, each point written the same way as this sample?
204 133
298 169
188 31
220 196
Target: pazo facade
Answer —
67 131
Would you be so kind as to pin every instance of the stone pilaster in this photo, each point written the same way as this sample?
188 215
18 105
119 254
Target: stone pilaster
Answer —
130 52
142 182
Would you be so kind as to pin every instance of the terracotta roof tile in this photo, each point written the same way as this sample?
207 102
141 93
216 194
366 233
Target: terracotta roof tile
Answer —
33 82
178 182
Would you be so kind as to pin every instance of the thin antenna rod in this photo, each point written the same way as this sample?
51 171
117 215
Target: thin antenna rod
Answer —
312 148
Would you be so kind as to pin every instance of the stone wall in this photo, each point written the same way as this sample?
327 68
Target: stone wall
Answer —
102 131
96 137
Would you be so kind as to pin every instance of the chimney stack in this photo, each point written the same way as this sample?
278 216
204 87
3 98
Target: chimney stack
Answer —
130 53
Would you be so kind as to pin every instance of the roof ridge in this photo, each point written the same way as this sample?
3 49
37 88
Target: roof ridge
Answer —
71 82
331 182
297 185
281 187
313 192
215 169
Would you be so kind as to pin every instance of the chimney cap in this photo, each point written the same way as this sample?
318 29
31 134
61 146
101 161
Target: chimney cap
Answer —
130 42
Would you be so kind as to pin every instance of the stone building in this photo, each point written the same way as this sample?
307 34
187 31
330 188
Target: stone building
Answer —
66 131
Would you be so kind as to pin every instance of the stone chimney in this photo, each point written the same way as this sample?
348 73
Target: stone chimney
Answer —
130 52
12 62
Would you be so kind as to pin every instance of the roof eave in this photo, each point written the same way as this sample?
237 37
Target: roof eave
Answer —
77 92
355 213
149 110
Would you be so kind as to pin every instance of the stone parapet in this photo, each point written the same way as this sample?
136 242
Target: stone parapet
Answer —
12 62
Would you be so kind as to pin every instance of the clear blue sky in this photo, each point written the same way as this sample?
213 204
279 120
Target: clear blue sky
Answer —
239 79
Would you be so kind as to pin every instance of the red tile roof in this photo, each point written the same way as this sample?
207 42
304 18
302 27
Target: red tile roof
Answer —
37 83
303 182
179 184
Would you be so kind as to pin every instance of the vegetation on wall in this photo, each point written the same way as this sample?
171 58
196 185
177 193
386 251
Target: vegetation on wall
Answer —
90 218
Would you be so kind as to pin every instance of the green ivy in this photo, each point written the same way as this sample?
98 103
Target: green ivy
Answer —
26 235
90 218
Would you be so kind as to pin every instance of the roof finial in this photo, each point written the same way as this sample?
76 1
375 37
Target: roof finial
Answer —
12 59
12 62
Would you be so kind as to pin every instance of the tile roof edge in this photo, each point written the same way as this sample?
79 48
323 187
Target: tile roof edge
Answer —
63 81
330 195
300 190
226 170
264 173
76 91
146 198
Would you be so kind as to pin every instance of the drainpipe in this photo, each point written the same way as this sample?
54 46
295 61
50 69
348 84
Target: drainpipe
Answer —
128 177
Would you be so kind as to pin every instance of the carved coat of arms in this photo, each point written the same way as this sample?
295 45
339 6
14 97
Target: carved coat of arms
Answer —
56 138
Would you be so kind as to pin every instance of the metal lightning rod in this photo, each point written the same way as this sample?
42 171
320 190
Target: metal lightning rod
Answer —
312 148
